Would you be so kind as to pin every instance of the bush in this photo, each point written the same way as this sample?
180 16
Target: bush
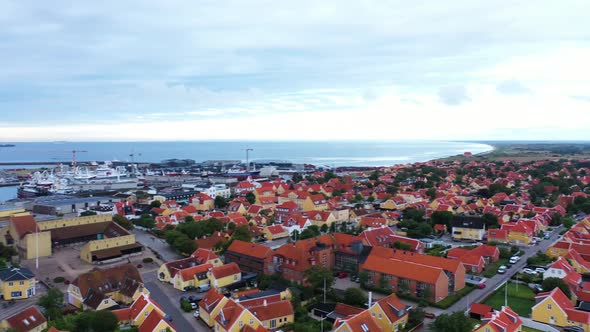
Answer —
148 260
185 306
59 280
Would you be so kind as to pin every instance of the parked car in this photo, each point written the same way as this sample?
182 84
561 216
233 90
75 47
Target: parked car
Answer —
203 288
573 329
514 259
429 315
502 269
168 317
547 236
540 270
529 271
536 288
342 275
481 286
194 305
196 313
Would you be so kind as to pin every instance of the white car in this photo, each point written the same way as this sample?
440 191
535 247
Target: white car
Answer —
540 270
196 313
502 269
194 306
514 259
529 271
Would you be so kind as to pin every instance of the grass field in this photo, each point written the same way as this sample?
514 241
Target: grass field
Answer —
520 299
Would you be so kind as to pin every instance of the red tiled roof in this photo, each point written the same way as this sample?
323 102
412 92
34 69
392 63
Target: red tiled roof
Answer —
249 249
480 309
24 225
403 269
274 310
151 322
225 270
276 229
347 310
26 320
189 273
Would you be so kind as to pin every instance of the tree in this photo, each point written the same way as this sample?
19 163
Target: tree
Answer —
52 303
122 221
324 228
442 218
155 204
242 233
316 275
431 192
251 198
490 220
296 177
333 227
383 284
363 278
96 321
402 245
145 221
568 222
6 252
455 322
354 296
220 202
552 283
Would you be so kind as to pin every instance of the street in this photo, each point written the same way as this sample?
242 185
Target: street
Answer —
157 245
496 281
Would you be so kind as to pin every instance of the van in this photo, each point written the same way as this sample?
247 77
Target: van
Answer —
514 259
203 288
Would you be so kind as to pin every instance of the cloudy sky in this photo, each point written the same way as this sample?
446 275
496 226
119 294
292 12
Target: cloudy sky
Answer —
258 69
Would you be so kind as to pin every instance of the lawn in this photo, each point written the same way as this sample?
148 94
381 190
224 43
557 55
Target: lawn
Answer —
520 298
492 268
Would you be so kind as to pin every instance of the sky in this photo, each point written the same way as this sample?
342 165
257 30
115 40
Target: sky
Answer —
294 70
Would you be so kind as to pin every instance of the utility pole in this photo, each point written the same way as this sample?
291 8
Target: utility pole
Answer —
324 290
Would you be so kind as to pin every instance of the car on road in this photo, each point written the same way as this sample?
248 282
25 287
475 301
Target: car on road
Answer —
536 288
196 313
514 259
429 315
481 286
168 317
547 236
529 271
194 305
502 269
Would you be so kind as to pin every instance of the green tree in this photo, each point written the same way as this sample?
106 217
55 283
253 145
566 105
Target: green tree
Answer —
145 221
52 303
442 218
383 284
296 177
155 204
324 228
220 202
96 321
363 278
402 245
455 322
251 198
242 233
431 192
122 221
333 227
316 275
552 283
355 297
568 222
490 220
6 252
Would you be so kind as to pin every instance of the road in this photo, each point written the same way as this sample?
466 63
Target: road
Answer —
158 245
496 281
182 321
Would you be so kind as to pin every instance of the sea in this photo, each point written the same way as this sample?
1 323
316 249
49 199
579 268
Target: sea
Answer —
327 153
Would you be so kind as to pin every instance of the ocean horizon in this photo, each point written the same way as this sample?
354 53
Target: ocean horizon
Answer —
330 153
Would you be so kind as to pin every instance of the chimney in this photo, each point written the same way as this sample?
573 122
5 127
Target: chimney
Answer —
370 299
264 303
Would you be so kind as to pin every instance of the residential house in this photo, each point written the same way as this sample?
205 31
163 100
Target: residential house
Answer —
349 252
250 257
291 260
475 259
191 277
233 317
27 320
504 320
390 313
498 235
274 232
315 202
556 309
386 237
210 306
273 311
224 275
468 228
360 322
202 202
518 232
143 313
105 288
285 210
212 242
17 283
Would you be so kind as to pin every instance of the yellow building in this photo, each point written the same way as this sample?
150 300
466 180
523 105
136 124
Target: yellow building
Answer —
145 314
315 202
17 283
518 233
224 275
25 235
192 277
7 211
274 232
102 289
28 320
503 320
556 309
468 228
233 317
115 243
390 313
210 306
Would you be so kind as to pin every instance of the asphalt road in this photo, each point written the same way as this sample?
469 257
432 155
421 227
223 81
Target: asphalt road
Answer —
496 281
179 319
158 245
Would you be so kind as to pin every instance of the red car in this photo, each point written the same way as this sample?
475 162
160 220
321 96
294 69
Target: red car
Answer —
481 286
342 275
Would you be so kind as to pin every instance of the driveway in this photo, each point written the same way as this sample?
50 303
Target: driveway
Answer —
498 280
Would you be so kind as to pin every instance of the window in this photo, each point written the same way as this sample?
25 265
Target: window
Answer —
11 283
22 283
380 316
251 321
488 329
273 324
235 277
365 327
549 307
146 313
241 324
